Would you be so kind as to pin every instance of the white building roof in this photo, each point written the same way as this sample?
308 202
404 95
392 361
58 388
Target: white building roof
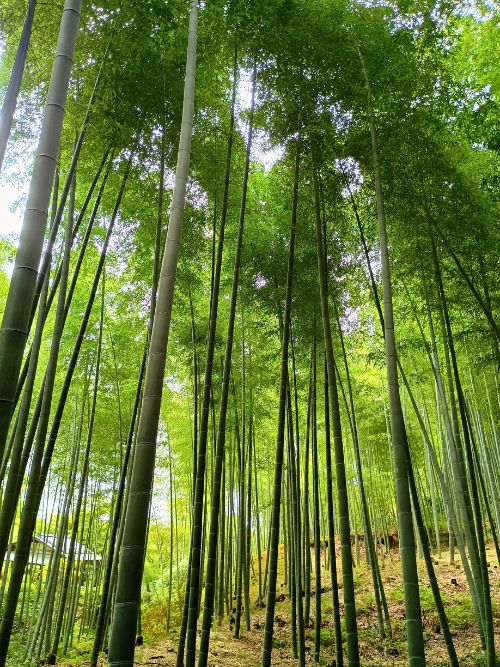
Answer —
43 545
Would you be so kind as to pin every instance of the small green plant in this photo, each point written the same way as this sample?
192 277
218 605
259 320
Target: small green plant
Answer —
427 598
396 594
480 660
460 614
325 637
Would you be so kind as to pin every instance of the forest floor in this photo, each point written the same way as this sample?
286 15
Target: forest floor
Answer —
374 651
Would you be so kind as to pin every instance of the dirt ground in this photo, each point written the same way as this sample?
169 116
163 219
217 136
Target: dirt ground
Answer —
374 651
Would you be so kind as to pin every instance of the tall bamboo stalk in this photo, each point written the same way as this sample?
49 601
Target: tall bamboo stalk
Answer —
14 86
342 494
414 629
280 438
16 318
128 586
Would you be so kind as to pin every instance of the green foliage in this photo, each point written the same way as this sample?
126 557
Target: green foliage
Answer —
435 85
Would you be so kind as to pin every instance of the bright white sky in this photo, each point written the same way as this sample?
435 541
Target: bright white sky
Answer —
13 195
10 219
13 191
14 178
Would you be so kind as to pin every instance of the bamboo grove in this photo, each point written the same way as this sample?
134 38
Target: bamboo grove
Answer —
250 334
